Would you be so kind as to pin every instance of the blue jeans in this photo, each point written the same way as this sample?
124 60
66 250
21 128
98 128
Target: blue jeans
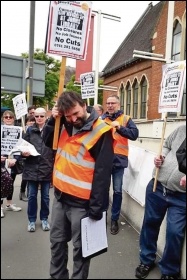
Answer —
157 204
117 180
32 200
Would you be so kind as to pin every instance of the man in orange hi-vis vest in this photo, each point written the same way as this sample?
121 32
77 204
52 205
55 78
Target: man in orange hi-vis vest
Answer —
81 179
125 129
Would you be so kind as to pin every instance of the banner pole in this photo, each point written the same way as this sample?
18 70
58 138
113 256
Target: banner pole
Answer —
160 150
60 91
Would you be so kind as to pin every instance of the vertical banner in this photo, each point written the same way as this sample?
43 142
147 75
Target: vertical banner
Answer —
87 85
68 28
84 66
172 86
20 105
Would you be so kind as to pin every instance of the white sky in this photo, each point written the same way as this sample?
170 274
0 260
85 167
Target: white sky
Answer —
15 19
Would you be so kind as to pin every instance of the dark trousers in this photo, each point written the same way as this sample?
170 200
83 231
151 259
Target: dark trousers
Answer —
23 186
66 225
157 205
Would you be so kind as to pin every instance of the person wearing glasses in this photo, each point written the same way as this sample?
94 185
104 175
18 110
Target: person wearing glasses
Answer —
8 118
38 171
124 129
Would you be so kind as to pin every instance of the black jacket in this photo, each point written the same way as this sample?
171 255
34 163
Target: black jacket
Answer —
38 168
181 157
102 152
130 131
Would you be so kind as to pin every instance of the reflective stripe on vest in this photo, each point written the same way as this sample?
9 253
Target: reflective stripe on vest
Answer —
74 166
121 143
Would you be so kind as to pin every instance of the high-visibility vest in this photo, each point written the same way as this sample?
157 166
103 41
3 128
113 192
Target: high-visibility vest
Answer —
74 166
121 145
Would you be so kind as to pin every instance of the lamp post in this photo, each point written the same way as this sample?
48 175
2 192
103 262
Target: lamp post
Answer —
31 54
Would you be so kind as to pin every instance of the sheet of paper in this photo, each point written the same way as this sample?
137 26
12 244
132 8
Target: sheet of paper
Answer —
93 235
24 146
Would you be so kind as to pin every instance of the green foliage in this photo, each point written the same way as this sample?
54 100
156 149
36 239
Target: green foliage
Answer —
71 87
51 78
52 73
6 100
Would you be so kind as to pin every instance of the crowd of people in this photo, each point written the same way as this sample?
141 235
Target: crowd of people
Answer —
92 151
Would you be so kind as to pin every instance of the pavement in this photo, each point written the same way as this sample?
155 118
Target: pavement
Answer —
26 255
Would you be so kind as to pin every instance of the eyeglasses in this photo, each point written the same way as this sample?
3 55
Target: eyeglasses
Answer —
40 116
111 103
8 117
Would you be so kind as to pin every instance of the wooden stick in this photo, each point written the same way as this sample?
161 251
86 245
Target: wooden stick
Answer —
23 124
60 91
160 151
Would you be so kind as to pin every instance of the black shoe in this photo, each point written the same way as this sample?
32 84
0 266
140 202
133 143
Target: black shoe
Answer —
143 270
175 276
23 197
114 227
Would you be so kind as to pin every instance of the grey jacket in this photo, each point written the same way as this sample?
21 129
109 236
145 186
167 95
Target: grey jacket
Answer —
169 174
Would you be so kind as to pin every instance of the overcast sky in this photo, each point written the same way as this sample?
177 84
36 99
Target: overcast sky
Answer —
15 18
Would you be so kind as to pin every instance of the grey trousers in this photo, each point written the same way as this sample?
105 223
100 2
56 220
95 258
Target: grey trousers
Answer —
66 226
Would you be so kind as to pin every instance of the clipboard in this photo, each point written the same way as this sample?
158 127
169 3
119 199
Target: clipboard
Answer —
93 236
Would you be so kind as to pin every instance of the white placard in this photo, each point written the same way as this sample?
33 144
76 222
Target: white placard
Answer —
172 87
20 105
68 28
10 136
87 85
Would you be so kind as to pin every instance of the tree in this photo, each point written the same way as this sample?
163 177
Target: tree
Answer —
70 86
51 81
51 78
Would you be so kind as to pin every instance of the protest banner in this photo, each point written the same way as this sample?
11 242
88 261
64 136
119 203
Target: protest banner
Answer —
172 87
67 35
87 85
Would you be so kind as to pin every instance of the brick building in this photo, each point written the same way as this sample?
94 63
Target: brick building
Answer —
138 79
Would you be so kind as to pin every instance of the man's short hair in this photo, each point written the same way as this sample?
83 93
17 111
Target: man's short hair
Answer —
31 107
68 100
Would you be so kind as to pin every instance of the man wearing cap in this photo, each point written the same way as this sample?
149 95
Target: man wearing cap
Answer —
38 170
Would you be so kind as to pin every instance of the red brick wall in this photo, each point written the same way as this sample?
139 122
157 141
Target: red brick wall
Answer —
152 69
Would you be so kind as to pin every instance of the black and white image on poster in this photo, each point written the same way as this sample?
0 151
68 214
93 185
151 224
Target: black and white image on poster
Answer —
20 105
68 28
10 136
87 85
172 87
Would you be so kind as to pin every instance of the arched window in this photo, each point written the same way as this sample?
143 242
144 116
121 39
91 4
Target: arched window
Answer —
176 45
176 50
128 103
135 100
143 102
